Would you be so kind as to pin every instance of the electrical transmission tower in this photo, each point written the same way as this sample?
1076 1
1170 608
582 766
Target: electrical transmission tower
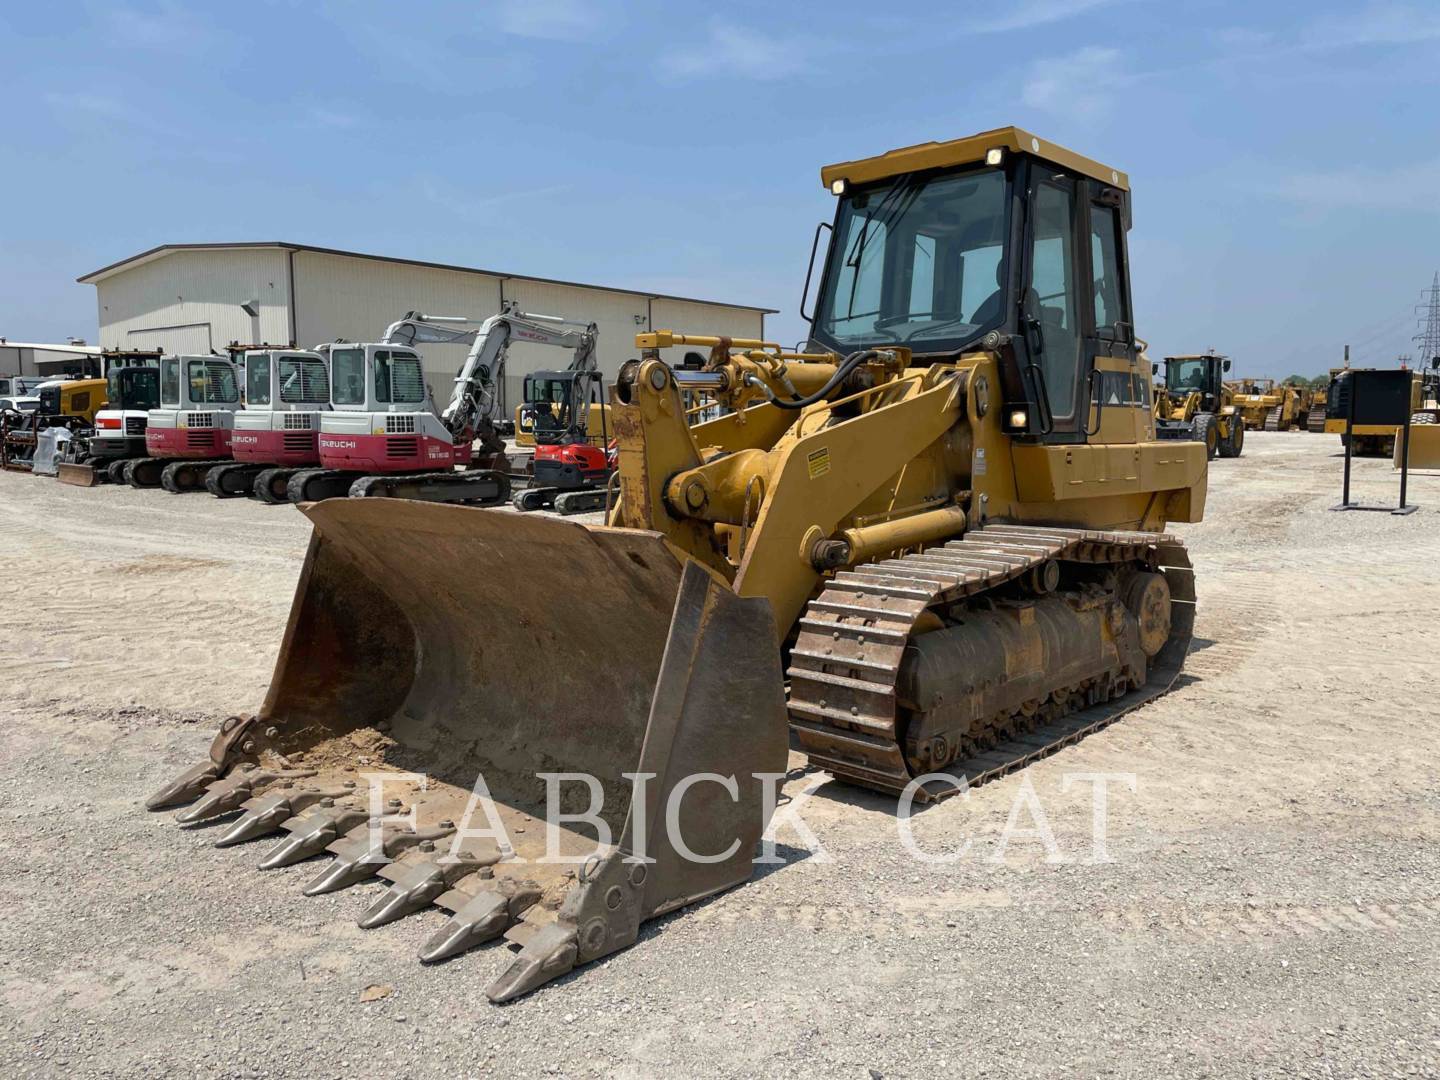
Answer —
1428 340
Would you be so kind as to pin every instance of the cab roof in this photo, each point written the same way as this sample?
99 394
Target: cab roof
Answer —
966 151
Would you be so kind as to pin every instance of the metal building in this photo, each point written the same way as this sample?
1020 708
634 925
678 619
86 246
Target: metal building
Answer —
192 298
42 360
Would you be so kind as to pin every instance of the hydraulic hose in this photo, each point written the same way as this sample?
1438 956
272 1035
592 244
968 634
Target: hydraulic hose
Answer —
843 372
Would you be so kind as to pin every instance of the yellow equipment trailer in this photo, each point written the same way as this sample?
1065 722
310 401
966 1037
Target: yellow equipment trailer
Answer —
929 546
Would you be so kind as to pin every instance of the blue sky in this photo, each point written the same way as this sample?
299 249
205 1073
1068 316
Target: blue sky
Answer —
1285 157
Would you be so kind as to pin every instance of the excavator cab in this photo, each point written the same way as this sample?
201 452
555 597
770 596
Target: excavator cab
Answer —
928 547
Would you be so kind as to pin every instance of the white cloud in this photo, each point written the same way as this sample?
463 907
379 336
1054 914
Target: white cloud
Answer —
1408 188
549 20
112 110
1378 24
730 50
469 208
325 116
167 26
1031 13
1078 85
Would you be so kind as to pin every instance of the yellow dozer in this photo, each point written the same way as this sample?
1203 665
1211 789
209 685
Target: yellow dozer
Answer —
1266 406
929 549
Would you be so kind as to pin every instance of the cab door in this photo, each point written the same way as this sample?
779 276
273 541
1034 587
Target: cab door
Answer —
1050 310
1115 385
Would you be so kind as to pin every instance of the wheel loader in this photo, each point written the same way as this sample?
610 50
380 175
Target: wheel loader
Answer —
1194 402
929 547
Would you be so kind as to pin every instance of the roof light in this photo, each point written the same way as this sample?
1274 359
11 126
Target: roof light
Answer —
837 187
995 155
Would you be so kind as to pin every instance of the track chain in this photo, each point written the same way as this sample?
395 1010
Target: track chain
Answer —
845 665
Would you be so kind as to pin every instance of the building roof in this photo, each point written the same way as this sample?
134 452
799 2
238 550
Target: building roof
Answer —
96 276
971 149
70 350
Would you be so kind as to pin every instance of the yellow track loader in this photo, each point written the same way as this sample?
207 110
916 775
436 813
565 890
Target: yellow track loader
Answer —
929 548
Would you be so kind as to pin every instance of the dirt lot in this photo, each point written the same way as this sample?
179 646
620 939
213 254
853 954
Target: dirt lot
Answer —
1270 907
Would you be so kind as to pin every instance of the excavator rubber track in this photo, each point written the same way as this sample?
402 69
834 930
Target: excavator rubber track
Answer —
477 486
846 703
232 480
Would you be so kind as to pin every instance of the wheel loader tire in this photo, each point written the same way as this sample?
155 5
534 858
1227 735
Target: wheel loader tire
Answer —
1233 441
1205 430
657 671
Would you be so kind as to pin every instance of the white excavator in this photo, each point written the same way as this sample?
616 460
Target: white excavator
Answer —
379 439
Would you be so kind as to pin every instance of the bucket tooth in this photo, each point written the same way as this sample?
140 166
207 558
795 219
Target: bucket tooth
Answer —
186 787
261 820
340 874
483 917
358 856
233 791
549 954
416 886
311 834
419 880
268 813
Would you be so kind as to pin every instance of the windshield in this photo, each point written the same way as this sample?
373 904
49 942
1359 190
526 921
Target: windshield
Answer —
257 379
348 366
550 390
919 261
1185 374
398 378
303 380
212 382
134 388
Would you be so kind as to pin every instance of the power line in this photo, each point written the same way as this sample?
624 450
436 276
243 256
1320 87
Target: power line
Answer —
1428 340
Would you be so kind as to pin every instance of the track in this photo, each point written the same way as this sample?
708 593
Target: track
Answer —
846 710
1272 418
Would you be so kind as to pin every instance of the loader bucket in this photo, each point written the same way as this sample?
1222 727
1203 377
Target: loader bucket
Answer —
431 647
1423 445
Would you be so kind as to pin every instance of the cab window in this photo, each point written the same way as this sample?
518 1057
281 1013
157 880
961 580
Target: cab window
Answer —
1050 301
347 374
1105 266
257 379
170 382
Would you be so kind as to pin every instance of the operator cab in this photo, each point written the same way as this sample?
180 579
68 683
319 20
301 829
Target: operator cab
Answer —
376 378
555 402
997 242
1201 374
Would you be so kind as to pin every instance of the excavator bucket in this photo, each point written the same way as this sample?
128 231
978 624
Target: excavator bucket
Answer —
552 732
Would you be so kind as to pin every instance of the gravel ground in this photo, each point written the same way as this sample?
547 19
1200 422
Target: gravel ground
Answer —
1269 906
